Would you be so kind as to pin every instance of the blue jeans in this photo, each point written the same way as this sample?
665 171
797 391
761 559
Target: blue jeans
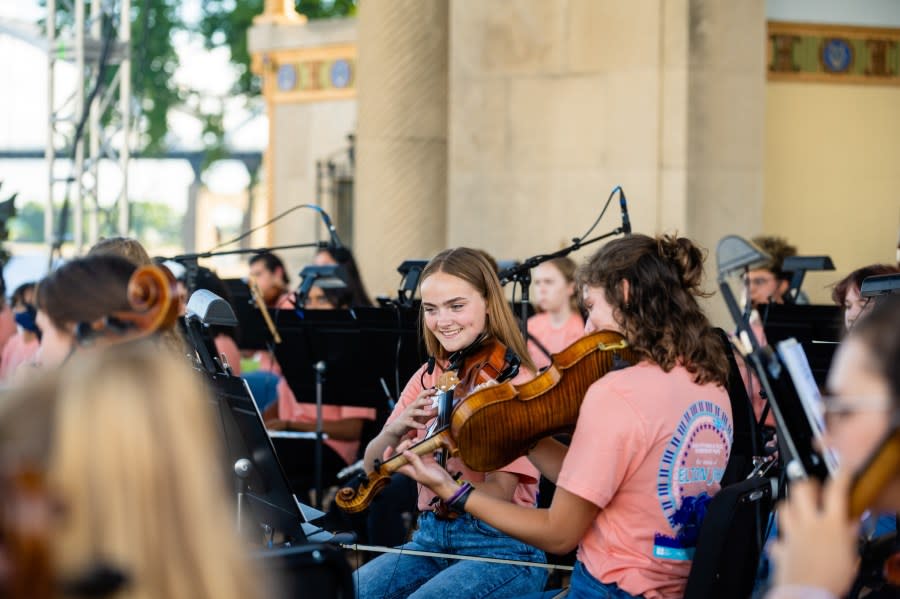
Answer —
396 576
585 586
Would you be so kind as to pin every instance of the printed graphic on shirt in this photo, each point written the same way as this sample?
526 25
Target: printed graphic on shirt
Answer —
690 470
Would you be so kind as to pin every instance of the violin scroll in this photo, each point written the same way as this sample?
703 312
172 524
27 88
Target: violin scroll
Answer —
355 499
152 294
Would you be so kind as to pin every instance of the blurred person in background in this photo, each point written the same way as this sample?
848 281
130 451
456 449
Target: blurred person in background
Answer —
344 257
769 283
558 322
126 247
267 271
846 292
24 345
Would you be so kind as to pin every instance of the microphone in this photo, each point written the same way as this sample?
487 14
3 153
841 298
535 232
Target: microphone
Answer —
623 203
337 249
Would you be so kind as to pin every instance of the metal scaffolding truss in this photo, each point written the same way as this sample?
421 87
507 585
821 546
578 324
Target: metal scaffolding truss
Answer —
94 122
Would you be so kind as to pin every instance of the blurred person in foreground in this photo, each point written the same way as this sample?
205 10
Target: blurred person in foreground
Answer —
817 555
136 502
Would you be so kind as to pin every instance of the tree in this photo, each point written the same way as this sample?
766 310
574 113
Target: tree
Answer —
153 62
154 58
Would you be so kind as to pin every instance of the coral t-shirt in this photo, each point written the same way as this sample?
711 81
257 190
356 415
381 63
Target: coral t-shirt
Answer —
16 352
226 346
290 409
751 381
8 326
552 338
526 491
649 450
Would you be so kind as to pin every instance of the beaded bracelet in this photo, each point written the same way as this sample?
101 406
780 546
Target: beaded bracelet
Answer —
458 501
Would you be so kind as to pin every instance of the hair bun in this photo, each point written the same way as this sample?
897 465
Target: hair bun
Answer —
685 257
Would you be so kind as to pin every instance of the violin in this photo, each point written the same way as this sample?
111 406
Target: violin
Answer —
481 363
879 470
494 425
28 511
498 424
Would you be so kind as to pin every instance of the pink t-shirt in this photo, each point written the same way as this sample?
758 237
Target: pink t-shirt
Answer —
226 345
649 449
290 409
16 352
7 325
552 338
526 491
751 381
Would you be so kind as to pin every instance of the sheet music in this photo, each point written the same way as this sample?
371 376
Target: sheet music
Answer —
794 358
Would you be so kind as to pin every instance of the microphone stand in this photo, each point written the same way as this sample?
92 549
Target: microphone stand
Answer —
192 268
319 367
521 273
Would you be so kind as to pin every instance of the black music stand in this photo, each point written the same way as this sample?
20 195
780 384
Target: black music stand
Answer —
262 486
411 272
818 328
796 437
880 285
798 266
251 460
346 357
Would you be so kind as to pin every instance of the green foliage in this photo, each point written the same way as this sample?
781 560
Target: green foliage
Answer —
154 61
154 23
29 223
152 222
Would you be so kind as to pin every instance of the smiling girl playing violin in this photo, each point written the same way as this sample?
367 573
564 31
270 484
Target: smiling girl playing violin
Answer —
651 441
462 307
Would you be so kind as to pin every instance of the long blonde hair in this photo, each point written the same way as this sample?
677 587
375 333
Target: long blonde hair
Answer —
473 267
134 462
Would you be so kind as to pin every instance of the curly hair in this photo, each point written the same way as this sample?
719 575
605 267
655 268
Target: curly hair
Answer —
122 246
778 249
660 317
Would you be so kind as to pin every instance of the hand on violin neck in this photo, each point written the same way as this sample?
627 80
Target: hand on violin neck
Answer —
415 416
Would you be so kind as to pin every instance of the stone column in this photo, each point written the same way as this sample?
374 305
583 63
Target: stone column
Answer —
401 174
725 134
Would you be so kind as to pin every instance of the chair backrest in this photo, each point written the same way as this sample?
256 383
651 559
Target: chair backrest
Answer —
746 443
731 540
